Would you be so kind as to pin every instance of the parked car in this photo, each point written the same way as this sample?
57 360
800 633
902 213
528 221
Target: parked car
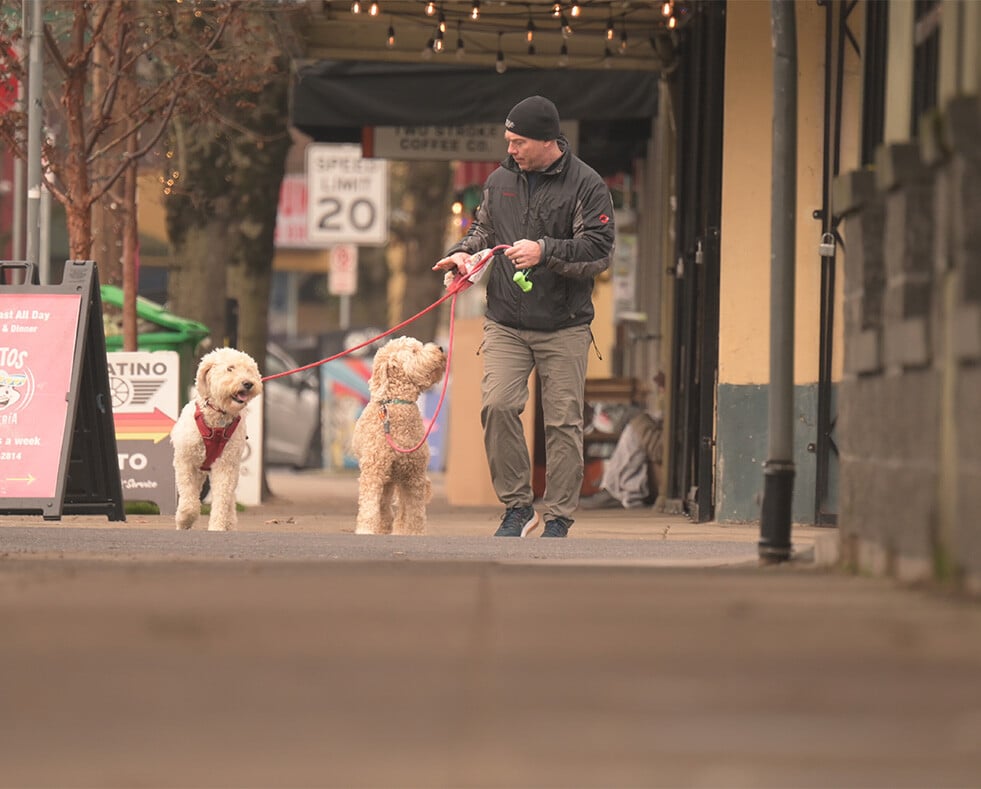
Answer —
291 411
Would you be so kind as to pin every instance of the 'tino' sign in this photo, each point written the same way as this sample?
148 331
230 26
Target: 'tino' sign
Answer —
347 196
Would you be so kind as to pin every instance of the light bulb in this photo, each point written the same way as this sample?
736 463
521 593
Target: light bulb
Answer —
475 10
390 41
563 56
565 27
500 66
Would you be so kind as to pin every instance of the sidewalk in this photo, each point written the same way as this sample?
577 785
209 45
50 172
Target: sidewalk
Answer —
327 501
322 506
643 651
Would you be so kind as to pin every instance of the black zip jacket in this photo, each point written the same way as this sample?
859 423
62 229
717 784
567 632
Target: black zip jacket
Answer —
570 213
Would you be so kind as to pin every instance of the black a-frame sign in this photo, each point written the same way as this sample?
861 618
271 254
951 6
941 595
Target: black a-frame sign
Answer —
57 438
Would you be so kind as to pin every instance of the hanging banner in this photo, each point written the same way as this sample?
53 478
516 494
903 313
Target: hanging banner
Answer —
474 142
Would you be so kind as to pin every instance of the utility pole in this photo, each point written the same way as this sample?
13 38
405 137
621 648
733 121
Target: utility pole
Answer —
778 471
17 232
32 11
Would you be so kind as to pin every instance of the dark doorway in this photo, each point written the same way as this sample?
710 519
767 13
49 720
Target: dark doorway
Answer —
697 93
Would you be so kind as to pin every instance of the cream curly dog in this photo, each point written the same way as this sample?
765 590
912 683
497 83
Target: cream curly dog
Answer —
393 488
209 436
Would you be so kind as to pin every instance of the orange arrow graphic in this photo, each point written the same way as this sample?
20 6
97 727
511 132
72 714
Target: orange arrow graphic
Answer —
28 479
155 426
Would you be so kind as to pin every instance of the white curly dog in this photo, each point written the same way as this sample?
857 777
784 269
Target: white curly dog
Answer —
209 436
393 488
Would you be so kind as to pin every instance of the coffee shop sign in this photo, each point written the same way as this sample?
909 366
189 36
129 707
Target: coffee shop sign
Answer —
473 142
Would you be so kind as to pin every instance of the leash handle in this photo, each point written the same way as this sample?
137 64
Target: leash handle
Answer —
475 269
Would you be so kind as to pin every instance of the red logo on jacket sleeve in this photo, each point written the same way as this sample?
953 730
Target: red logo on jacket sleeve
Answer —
603 218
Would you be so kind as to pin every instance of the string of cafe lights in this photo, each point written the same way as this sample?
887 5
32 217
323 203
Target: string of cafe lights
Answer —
535 22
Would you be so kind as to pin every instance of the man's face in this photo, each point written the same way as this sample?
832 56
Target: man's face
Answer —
530 155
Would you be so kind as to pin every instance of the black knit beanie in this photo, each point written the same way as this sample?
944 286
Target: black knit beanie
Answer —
535 118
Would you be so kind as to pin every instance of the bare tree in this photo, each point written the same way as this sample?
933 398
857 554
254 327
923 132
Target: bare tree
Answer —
94 51
120 72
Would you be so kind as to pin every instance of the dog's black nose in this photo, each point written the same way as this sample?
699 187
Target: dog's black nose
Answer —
247 385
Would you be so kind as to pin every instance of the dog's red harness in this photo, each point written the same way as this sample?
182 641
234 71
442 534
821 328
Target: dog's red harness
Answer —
215 438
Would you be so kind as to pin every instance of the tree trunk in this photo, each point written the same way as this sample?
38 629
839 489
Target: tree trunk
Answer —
130 273
256 201
196 287
428 196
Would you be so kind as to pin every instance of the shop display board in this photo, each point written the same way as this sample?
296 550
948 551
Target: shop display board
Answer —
57 441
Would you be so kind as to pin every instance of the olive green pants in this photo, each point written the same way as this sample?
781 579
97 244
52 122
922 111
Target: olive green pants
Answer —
560 358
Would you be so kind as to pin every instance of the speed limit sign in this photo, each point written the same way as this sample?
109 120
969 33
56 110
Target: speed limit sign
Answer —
347 196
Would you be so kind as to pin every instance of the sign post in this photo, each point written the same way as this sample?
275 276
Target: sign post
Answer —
57 443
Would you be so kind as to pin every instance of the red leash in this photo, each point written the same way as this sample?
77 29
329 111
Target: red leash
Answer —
457 286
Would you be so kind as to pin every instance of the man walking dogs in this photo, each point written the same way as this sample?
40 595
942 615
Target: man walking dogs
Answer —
556 213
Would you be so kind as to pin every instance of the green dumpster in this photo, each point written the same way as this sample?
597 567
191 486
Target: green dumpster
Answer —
159 330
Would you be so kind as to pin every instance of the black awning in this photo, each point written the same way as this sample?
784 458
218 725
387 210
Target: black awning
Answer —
333 101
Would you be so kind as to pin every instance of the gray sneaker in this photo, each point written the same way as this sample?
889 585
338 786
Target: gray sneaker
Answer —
558 527
517 522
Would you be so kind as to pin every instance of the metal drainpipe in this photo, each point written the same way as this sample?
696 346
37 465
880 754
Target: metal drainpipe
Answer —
778 471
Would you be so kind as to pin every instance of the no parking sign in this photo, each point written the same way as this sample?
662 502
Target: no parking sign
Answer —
342 279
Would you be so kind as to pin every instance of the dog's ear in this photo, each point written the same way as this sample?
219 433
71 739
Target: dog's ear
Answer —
378 384
201 381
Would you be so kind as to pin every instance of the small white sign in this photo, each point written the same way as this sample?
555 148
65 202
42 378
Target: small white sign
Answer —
249 489
347 196
145 388
342 279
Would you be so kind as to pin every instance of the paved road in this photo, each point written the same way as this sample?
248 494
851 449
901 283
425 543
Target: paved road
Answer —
137 656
